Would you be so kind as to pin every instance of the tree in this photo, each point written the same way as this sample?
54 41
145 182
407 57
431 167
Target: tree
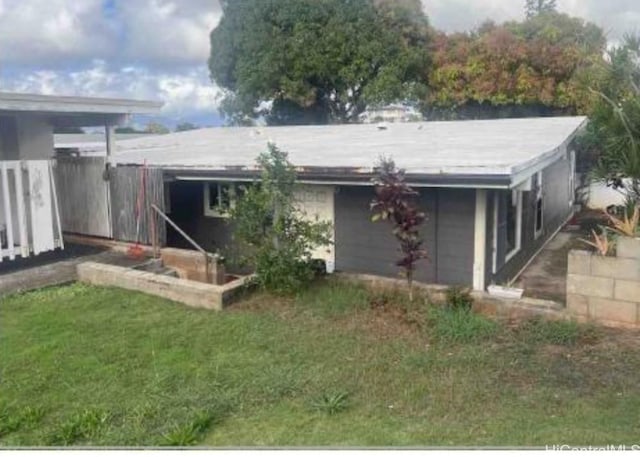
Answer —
613 133
537 7
185 126
278 235
394 202
156 128
317 61
531 68
127 130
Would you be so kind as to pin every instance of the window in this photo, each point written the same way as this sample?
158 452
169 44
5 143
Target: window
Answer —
219 198
539 206
514 224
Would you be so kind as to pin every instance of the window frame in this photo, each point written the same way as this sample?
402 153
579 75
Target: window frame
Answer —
539 198
216 211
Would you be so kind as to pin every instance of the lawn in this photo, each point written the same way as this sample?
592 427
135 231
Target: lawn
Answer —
337 365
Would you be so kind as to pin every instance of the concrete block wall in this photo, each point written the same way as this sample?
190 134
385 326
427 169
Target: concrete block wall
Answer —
606 289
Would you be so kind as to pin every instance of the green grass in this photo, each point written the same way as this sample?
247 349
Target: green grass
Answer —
336 365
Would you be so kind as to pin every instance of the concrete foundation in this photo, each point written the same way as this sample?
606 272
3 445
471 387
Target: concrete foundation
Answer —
508 309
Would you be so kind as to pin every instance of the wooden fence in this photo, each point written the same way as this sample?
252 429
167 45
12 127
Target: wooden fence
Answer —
97 200
84 196
125 191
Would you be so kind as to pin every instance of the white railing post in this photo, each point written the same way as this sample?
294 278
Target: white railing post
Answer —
22 215
7 210
56 208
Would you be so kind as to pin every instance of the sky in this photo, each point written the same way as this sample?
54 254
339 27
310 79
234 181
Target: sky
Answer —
158 49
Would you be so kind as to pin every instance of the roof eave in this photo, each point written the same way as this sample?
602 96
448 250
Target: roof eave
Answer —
346 177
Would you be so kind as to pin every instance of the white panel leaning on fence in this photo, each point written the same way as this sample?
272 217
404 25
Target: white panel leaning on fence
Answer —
29 214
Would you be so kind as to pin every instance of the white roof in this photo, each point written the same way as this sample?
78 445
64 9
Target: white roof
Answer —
10 101
90 142
489 147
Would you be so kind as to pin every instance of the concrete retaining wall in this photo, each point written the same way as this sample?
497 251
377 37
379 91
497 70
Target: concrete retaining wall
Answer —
191 293
606 289
192 265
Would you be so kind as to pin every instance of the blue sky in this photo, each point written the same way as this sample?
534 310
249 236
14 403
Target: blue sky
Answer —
157 49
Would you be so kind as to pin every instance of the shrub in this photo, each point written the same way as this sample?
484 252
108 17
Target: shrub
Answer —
395 201
278 235
459 298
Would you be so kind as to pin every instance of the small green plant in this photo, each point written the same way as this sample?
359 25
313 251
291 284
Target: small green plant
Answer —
32 415
9 422
80 426
331 403
181 435
26 418
459 298
189 434
460 325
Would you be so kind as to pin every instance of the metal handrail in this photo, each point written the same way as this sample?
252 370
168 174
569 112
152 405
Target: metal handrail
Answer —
186 237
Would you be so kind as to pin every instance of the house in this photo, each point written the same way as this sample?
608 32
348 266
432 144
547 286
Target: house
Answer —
30 220
494 190
88 144
390 113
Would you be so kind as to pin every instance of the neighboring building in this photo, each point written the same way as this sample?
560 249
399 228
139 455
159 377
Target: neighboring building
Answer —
494 191
29 197
390 113
89 144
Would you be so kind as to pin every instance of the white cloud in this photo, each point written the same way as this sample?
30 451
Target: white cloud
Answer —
46 31
183 93
164 31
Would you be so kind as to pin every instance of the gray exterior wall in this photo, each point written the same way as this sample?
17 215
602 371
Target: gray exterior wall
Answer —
365 247
556 209
361 245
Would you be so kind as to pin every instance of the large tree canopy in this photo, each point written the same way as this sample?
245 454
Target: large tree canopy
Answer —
534 67
317 61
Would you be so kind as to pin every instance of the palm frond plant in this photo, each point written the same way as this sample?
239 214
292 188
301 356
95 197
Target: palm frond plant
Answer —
627 225
602 243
